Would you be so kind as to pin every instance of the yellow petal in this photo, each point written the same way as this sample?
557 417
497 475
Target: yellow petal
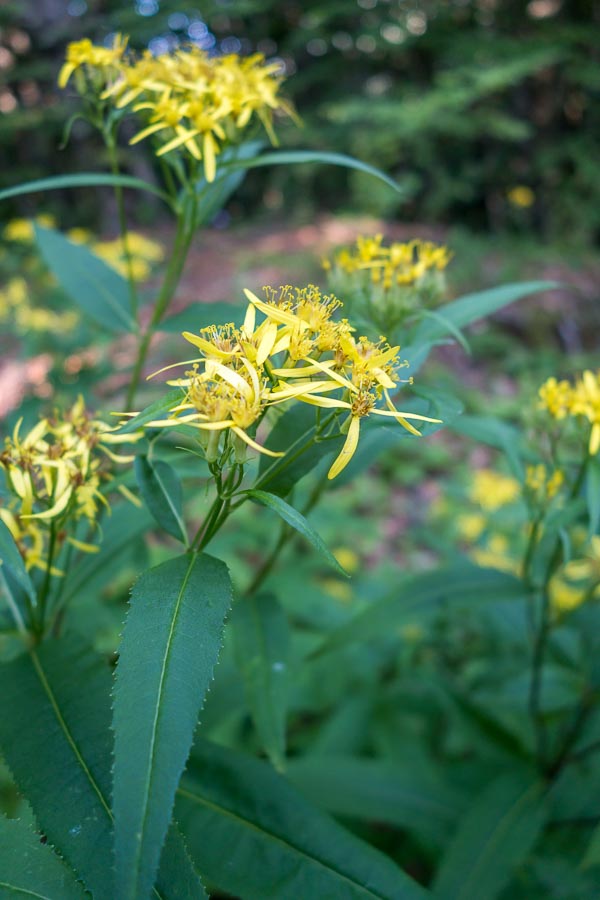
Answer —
348 450
248 440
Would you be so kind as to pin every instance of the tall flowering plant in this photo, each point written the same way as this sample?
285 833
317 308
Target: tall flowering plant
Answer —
99 722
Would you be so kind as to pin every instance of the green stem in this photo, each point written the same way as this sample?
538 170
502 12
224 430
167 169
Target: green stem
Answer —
111 145
183 239
541 639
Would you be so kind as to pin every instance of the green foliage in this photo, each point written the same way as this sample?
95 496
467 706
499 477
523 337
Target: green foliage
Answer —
261 637
170 647
31 869
161 489
235 808
89 282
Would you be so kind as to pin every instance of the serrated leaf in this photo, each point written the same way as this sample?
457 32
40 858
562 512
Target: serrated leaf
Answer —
55 737
170 646
13 561
29 868
296 521
161 490
295 157
254 836
261 642
153 411
420 596
87 179
99 291
199 315
493 839
473 307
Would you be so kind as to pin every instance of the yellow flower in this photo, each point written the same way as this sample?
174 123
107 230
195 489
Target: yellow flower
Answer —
491 490
470 526
564 596
556 397
21 230
586 402
521 196
541 486
91 56
398 264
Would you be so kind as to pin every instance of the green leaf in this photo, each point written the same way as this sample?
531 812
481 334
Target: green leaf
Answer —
213 196
93 285
199 315
377 791
473 307
592 493
498 434
297 521
160 487
55 737
155 410
493 839
295 157
295 433
254 836
261 641
461 585
13 561
170 646
29 868
592 853
87 179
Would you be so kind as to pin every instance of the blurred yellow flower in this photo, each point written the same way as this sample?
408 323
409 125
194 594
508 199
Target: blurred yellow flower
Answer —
491 490
521 196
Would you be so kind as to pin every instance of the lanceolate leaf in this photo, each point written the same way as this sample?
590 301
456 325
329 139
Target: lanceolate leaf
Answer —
254 836
297 521
170 647
55 737
477 306
155 410
87 179
99 291
261 640
593 494
420 596
495 836
29 868
295 157
160 487
199 315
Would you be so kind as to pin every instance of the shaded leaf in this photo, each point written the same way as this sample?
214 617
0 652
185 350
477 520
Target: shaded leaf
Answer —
495 836
592 488
419 596
199 315
254 836
161 489
296 521
99 291
29 868
55 737
261 640
170 645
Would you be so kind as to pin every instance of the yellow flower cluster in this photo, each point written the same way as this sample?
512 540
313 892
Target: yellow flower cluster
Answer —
297 352
580 400
542 486
186 98
21 230
53 475
16 307
492 490
144 254
402 264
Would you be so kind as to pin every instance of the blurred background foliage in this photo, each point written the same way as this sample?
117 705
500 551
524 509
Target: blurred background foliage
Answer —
484 110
